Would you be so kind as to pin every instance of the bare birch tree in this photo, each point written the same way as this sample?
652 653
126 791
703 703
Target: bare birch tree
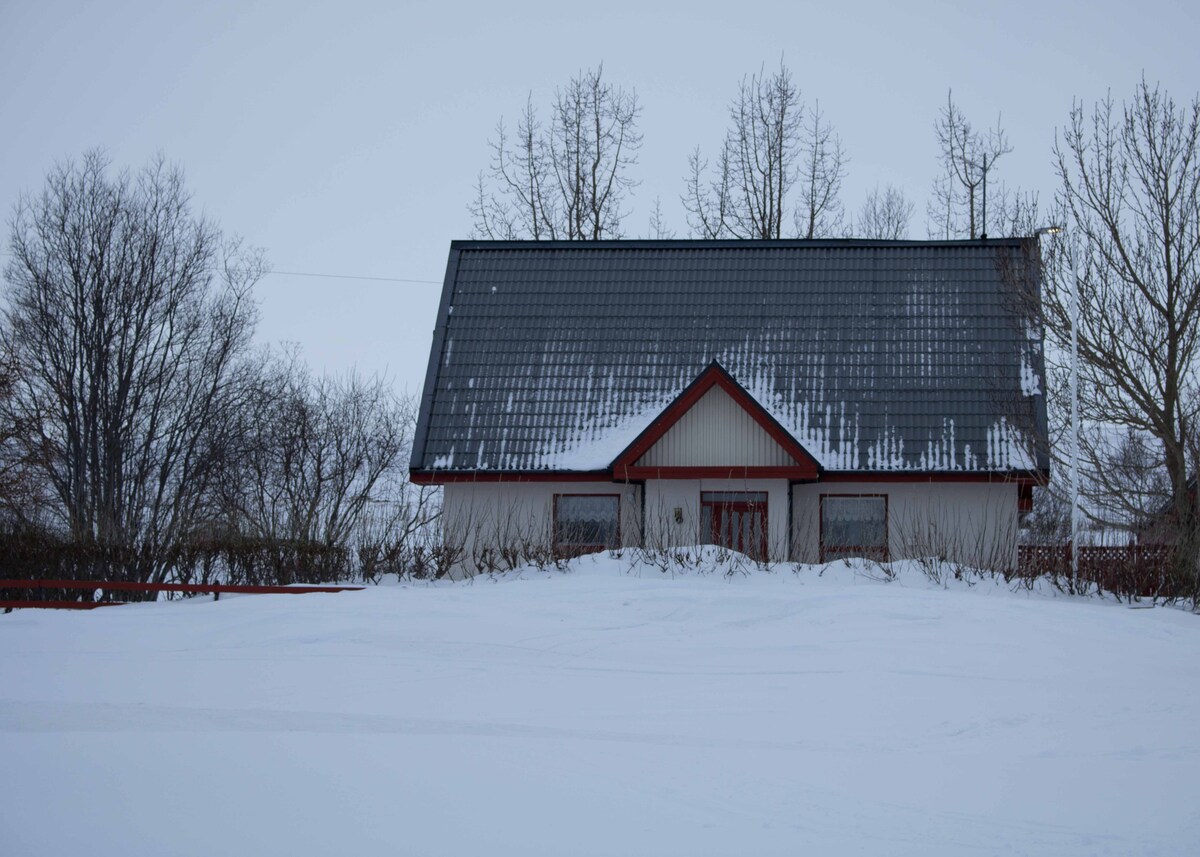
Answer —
130 315
568 180
771 155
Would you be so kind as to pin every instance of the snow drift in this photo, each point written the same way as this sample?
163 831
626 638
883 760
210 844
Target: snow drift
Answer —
607 710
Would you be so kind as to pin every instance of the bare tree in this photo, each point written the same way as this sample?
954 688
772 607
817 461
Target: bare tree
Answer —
1132 487
1049 521
20 494
396 527
822 168
130 315
1017 212
770 151
967 157
323 463
658 226
566 181
1130 185
941 212
884 215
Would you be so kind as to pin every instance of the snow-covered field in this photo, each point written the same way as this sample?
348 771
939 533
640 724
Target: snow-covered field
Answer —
605 712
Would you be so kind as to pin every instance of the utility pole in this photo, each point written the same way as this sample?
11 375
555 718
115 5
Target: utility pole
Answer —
1056 230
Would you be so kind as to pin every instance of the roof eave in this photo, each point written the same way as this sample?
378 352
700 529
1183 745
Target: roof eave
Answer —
637 475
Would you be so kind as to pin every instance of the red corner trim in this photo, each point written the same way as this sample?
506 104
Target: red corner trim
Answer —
715 375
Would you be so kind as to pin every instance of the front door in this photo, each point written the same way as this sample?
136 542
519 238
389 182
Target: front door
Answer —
736 520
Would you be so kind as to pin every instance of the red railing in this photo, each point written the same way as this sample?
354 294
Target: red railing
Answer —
105 586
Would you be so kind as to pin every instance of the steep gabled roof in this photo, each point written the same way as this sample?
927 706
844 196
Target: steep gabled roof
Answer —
872 356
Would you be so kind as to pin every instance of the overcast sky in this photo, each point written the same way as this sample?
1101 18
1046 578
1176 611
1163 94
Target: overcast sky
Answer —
345 138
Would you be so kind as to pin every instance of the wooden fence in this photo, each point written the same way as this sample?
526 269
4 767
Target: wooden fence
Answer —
1142 570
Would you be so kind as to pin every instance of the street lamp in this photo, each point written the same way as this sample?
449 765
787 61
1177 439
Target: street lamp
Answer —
1055 230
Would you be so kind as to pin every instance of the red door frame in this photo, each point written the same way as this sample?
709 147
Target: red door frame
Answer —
722 508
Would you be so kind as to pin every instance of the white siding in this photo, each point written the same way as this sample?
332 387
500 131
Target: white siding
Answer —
974 523
664 496
478 515
971 522
716 432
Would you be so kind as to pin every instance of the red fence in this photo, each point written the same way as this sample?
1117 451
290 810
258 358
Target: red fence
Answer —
107 586
1134 570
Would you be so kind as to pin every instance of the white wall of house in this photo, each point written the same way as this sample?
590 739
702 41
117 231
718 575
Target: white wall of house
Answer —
479 515
665 496
716 432
970 522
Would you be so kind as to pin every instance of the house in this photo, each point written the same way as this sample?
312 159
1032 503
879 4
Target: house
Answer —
802 400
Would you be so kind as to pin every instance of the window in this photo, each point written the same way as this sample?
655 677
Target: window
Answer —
854 525
586 523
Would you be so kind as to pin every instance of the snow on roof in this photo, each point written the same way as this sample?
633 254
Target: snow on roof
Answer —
873 355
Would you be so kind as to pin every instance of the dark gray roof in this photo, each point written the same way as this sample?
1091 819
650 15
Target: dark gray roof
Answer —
873 355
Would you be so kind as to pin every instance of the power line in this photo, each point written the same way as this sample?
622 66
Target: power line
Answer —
328 276
351 277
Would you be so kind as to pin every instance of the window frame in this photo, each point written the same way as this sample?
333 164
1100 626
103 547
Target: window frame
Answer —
867 553
580 549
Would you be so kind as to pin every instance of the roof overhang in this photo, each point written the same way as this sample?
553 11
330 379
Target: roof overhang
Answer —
453 477
1024 478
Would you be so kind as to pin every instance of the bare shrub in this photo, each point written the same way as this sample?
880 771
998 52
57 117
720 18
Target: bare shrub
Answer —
957 543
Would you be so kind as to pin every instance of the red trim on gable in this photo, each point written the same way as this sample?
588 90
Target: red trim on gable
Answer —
796 474
436 477
715 375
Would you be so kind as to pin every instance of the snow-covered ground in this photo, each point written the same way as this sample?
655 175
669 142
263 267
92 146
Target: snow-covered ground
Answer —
604 712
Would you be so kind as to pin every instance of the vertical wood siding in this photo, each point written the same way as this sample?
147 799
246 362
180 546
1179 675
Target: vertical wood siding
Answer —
716 432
